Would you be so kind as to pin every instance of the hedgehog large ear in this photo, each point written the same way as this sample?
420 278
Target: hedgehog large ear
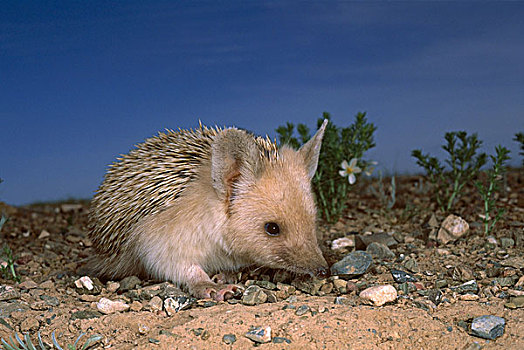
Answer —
234 155
311 150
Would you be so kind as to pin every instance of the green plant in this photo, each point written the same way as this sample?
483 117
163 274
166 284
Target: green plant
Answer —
26 344
519 137
386 201
338 145
8 271
487 190
464 165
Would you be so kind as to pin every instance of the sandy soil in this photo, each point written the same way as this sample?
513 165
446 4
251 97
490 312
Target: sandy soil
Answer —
50 244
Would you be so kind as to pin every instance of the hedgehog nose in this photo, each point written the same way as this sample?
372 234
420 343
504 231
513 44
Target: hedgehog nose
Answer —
322 272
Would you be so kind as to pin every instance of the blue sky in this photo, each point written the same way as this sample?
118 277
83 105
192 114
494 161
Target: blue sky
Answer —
83 81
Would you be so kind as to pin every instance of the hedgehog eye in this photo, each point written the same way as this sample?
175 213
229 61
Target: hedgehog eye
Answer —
272 228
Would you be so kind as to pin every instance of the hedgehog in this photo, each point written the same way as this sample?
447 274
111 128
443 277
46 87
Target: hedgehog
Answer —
193 207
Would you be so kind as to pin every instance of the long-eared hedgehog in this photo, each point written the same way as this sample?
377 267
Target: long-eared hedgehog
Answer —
185 205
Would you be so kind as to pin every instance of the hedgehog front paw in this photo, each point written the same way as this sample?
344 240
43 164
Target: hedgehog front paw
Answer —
226 277
218 292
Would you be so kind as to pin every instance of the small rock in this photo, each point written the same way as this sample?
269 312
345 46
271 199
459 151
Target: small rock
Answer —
468 287
259 334
340 285
84 282
503 281
352 265
462 273
128 283
50 300
175 304
302 310
280 340
229 339
155 304
143 329
43 234
309 285
344 242
28 284
488 326
515 302
492 240
433 222
451 229
8 293
266 285
435 295
107 306
507 243
326 288
112 286
254 295
401 276
29 324
380 251
516 262
379 295
47 285
441 283
411 265
362 241
469 297
136 306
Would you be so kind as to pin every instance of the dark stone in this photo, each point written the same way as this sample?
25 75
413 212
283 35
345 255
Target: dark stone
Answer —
229 338
468 287
488 327
280 340
353 264
401 276
49 300
380 251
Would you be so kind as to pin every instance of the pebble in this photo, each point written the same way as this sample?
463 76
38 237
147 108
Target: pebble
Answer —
155 304
302 310
411 265
107 306
468 287
229 338
112 286
401 276
29 324
44 234
259 334
488 326
452 228
128 283
379 295
84 282
47 285
143 328
515 302
309 285
507 243
175 304
362 241
8 293
340 285
280 340
136 306
85 315
380 251
344 242
28 284
352 265
253 295
266 285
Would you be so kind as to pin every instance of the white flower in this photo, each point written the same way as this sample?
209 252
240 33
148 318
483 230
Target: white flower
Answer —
370 167
350 170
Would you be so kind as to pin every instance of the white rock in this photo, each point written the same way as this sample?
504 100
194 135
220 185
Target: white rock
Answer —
44 234
107 306
379 295
260 334
452 228
343 242
84 282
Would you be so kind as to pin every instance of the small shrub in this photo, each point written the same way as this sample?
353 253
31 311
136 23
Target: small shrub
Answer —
8 269
487 190
338 145
463 166
387 197
26 343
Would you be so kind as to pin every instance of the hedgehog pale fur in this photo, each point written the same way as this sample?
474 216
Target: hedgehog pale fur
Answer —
184 205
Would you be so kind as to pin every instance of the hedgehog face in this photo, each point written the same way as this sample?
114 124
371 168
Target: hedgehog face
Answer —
272 221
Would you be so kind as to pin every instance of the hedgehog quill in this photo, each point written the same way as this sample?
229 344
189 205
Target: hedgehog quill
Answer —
185 205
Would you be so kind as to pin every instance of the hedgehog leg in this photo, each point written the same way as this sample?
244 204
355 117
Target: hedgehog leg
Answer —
225 277
201 286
